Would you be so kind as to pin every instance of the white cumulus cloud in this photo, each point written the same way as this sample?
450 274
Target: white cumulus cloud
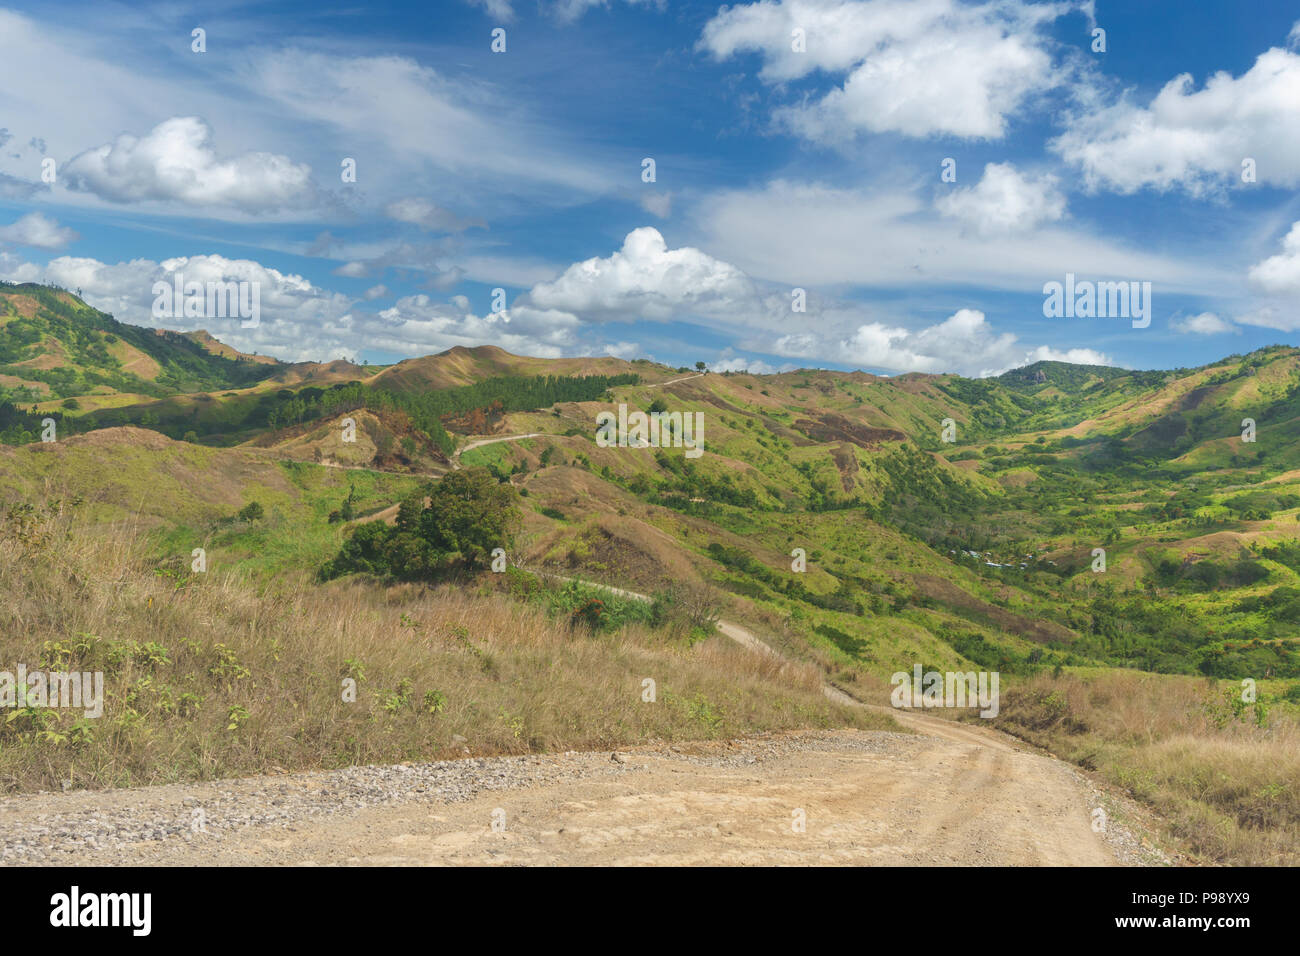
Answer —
646 279
739 363
303 322
1280 274
965 343
1195 139
298 321
176 162
915 67
40 231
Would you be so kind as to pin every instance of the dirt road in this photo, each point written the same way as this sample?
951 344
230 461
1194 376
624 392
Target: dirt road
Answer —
830 797
947 793
685 378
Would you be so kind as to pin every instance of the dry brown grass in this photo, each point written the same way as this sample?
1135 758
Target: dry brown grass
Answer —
1227 786
205 677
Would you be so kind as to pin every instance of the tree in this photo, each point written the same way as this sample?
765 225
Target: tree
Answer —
469 514
365 550
700 366
408 512
252 511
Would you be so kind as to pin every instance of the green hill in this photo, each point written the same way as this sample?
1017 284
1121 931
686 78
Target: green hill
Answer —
53 344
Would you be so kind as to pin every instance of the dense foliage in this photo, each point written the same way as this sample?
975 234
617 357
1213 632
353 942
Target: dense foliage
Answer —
468 514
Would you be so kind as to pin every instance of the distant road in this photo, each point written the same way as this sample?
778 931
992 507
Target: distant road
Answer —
676 380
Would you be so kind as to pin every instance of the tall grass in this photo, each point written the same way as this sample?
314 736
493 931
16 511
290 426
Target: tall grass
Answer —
1223 774
208 676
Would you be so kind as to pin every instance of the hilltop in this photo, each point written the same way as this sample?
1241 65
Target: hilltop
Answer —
464 366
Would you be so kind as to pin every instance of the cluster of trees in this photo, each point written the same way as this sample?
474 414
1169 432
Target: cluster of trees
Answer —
1161 636
18 427
1208 574
456 522
685 478
852 595
992 405
293 408
993 656
1246 658
1281 604
923 499
1283 552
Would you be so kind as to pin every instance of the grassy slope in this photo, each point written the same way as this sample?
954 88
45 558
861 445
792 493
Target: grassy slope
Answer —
1025 478
186 496
207 677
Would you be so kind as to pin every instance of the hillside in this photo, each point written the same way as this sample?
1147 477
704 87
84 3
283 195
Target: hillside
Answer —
53 344
464 366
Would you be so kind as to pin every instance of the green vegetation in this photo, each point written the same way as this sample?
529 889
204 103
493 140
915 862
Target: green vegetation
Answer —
88 344
469 514
421 414
208 677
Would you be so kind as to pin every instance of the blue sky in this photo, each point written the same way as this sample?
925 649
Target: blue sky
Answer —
798 145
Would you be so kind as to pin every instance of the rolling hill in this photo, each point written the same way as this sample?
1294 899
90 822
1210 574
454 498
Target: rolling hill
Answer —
977 551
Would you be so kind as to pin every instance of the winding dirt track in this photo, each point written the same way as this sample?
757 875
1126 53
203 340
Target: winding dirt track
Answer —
455 455
822 798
